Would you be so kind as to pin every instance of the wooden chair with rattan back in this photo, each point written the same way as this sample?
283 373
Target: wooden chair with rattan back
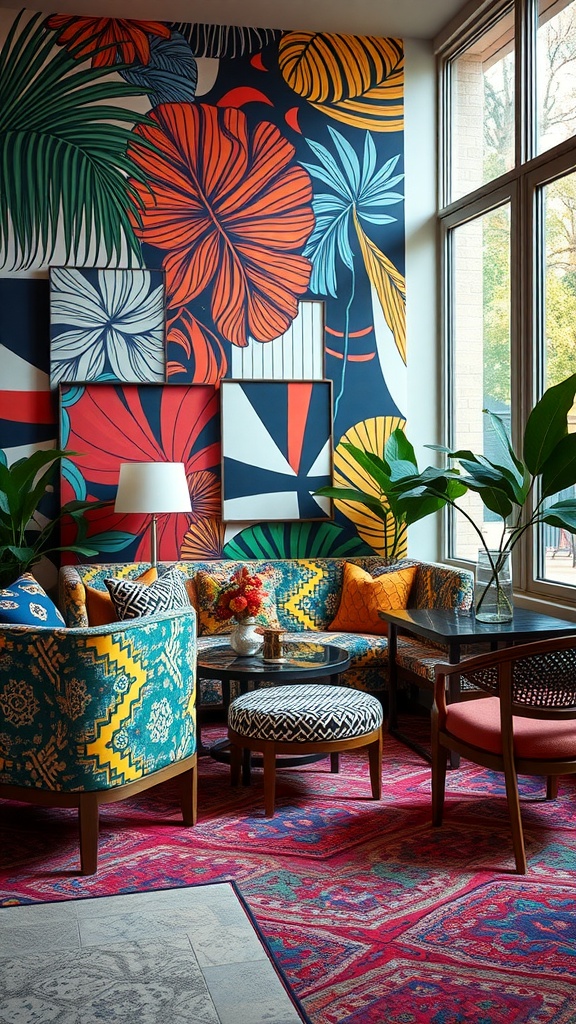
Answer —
523 721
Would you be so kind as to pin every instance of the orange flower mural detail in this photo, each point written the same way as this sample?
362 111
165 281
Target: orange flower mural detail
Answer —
200 346
107 37
232 210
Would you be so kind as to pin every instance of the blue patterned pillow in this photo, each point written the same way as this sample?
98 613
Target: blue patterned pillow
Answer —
26 603
131 599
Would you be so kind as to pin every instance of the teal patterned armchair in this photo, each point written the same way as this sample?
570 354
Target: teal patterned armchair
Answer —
93 715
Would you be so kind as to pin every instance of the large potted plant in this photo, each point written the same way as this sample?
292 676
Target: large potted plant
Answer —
24 537
516 488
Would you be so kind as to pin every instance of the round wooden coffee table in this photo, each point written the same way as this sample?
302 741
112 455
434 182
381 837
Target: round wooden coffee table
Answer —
303 661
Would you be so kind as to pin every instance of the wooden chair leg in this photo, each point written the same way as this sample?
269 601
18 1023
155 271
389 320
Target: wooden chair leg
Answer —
515 819
375 760
235 764
189 796
335 763
269 758
89 826
552 787
246 766
439 765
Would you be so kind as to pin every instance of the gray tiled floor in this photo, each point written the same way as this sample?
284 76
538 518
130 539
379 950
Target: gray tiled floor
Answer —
180 956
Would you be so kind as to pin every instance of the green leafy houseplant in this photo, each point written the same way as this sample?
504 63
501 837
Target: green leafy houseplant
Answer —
517 489
24 539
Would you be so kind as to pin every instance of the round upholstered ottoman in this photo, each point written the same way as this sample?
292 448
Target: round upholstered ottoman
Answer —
305 718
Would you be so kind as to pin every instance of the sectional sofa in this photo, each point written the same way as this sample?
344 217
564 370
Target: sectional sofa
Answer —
307 594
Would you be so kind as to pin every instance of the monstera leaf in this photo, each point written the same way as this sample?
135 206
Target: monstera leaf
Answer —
516 489
24 536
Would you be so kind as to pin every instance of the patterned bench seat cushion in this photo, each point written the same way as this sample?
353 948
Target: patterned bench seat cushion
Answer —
416 656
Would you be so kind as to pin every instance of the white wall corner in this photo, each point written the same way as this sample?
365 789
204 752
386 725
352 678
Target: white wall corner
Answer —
422 326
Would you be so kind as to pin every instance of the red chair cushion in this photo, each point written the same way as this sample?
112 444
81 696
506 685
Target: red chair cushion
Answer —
477 722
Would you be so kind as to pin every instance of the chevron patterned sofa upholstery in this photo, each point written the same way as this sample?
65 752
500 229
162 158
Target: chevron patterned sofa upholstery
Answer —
92 715
307 597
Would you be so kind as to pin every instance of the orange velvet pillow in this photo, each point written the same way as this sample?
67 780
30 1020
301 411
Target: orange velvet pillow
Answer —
99 607
363 597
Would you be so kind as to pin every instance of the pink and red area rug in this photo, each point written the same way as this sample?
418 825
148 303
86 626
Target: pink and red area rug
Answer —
372 916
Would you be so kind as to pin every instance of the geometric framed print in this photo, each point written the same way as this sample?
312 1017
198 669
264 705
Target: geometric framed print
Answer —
276 449
107 325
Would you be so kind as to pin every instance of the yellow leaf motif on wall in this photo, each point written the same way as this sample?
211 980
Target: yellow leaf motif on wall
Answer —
356 80
370 435
389 284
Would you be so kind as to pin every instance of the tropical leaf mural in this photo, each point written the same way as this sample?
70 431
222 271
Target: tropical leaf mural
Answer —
141 423
197 354
360 191
107 41
204 539
231 209
357 81
371 436
389 284
107 325
249 204
225 40
63 155
171 73
295 540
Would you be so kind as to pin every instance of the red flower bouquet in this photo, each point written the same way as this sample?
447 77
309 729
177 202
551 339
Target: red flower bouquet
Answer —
241 598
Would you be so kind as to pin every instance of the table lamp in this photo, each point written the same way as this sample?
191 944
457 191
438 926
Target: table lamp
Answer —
153 487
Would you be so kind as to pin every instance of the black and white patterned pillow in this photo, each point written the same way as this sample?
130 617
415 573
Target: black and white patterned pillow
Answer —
131 599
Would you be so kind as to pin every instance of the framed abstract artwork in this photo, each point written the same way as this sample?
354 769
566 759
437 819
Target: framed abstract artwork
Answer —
276 450
298 354
107 325
108 424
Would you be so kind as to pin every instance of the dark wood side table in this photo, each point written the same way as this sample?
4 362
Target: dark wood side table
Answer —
302 662
455 631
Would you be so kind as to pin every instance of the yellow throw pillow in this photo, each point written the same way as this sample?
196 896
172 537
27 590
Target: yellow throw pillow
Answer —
363 597
99 606
208 587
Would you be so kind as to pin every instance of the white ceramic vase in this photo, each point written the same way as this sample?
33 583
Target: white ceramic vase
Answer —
244 639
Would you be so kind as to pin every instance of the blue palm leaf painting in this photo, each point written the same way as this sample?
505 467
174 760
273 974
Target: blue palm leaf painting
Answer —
359 192
276 450
171 76
107 325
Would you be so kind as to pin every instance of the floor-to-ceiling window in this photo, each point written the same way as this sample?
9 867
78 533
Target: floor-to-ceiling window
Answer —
507 214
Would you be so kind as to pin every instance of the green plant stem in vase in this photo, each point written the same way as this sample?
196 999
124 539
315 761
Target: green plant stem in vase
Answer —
493 587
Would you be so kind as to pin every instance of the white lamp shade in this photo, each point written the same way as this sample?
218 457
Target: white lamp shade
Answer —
152 487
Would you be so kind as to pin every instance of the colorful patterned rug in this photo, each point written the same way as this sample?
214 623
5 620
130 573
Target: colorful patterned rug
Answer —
371 915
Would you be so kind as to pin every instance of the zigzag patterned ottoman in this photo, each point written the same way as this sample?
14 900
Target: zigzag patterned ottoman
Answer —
305 718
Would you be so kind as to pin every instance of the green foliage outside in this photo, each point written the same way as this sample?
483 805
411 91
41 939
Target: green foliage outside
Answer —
557 120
